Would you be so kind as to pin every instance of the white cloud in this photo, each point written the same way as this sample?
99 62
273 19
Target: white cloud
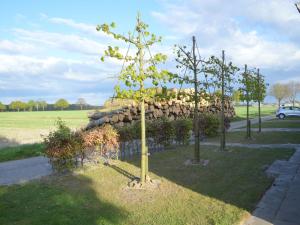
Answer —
11 47
71 43
253 32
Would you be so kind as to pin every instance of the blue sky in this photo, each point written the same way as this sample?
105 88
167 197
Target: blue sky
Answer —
50 49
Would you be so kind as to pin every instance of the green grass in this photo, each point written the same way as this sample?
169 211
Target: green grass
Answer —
42 119
260 138
241 111
21 152
221 193
277 123
27 127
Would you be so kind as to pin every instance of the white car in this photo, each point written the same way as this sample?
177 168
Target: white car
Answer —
284 111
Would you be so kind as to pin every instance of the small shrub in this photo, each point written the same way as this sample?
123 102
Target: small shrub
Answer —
62 146
183 130
164 131
209 125
102 139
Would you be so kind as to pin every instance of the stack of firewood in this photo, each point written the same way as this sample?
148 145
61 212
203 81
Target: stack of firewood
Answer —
179 107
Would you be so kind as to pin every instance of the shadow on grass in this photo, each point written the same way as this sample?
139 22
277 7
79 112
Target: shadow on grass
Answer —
122 172
70 201
234 177
5 142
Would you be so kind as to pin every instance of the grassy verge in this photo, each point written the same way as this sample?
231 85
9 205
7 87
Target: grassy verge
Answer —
220 193
261 138
21 152
241 112
277 123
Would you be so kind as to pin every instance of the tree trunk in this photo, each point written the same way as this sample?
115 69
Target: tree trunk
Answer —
144 150
247 98
196 113
222 140
259 98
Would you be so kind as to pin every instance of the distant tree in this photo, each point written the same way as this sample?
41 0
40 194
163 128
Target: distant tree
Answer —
279 91
30 105
24 106
43 104
81 102
61 104
17 105
293 89
2 107
236 96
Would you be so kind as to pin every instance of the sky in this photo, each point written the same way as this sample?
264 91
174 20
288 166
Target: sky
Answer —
51 49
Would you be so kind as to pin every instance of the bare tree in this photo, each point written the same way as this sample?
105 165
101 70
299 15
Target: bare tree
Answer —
81 102
293 89
279 91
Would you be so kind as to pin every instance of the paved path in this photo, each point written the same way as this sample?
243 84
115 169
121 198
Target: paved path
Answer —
19 171
243 123
280 205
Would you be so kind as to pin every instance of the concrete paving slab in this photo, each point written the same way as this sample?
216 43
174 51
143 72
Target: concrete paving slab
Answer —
281 203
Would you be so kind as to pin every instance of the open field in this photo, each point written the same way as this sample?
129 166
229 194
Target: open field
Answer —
223 192
27 127
241 111
42 119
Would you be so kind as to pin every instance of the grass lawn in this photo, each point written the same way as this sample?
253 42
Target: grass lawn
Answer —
21 152
221 193
262 138
277 123
241 111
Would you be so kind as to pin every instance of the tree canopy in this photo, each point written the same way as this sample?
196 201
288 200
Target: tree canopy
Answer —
61 104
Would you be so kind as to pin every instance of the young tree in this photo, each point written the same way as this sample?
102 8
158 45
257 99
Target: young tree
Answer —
221 78
61 104
81 102
279 91
2 107
189 61
293 88
259 94
248 81
135 75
